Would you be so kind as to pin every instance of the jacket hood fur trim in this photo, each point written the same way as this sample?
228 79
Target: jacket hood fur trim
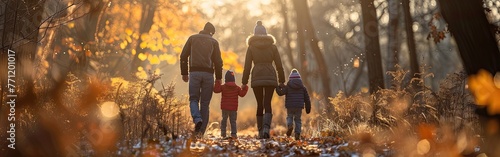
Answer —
262 38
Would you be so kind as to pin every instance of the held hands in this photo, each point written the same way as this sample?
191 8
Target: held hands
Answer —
282 85
185 78
218 81
244 86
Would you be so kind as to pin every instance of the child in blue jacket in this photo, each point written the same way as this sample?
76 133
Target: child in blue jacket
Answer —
296 99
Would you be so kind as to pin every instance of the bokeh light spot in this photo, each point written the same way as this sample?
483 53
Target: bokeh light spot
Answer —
423 147
109 109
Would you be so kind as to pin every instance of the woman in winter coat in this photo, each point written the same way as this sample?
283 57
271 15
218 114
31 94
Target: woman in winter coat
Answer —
262 52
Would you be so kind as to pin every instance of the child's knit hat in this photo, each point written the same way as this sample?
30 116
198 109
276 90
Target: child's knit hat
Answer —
294 74
229 76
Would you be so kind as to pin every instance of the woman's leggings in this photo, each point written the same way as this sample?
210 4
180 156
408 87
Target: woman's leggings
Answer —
263 94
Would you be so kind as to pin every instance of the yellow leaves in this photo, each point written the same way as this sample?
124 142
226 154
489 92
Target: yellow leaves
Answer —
143 45
171 59
128 31
145 36
129 39
153 41
154 47
116 81
177 50
156 59
141 73
161 43
153 59
123 45
71 25
166 42
142 56
176 43
231 61
485 90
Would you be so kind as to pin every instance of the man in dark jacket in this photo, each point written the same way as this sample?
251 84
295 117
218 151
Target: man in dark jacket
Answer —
296 99
201 57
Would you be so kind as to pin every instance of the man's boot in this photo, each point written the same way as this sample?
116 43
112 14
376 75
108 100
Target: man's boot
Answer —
259 126
289 130
297 136
266 128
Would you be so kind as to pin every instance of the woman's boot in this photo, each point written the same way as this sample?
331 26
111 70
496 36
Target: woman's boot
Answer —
266 128
259 126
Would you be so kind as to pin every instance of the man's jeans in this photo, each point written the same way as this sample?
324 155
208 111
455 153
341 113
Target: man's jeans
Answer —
232 119
201 86
294 114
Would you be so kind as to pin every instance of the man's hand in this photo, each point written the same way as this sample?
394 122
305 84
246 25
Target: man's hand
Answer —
282 85
218 81
185 78
244 86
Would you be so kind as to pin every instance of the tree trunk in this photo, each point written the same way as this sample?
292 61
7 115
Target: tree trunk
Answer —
86 29
19 32
21 24
393 45
478 49
286 30
410 39
304 16
475 40
372 46
302 45
148 13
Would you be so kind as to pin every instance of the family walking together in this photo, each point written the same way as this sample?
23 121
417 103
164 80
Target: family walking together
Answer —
201 59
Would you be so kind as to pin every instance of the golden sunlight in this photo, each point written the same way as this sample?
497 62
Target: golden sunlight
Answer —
255 6
109 109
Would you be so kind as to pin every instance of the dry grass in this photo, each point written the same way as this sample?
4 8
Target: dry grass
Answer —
412 120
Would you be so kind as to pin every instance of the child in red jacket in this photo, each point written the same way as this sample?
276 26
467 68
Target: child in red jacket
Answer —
229 103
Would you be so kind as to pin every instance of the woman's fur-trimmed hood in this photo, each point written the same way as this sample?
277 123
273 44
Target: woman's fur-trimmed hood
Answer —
260 40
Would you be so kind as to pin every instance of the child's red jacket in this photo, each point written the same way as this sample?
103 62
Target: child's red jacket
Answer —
230 92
